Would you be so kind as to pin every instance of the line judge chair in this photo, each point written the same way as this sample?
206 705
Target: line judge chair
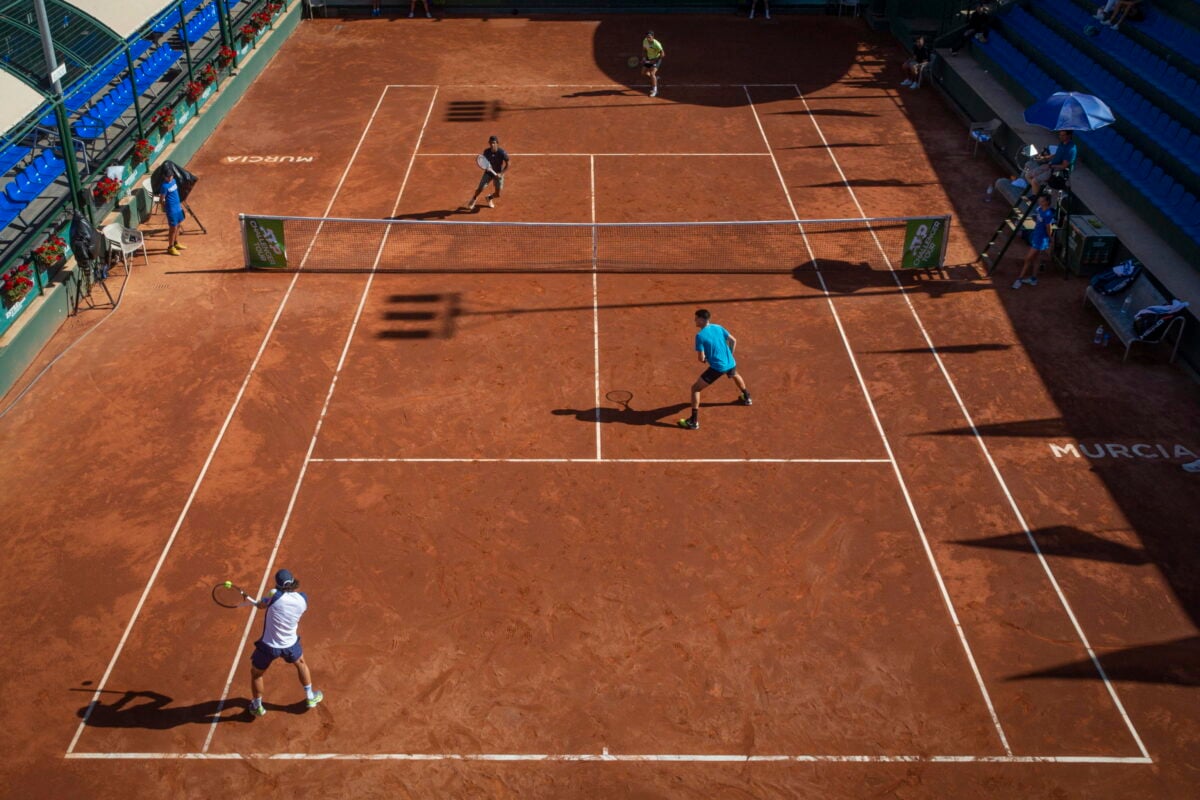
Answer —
126 241
981 132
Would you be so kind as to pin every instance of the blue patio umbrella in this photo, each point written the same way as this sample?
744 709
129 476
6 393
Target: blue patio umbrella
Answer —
1070 111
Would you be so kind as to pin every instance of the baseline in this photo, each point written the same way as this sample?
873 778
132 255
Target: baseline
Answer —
605 756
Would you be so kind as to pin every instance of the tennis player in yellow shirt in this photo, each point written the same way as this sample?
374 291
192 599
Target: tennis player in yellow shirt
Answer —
652 56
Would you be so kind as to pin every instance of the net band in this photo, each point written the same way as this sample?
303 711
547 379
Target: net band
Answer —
339 244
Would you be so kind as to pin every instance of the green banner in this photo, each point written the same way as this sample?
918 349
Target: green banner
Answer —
264 243
924 243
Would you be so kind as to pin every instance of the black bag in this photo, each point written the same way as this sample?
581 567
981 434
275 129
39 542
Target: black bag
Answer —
1135 13
185 179
1147 322
1112 282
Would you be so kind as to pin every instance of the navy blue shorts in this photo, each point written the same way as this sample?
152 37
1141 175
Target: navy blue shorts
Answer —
262 656
709 375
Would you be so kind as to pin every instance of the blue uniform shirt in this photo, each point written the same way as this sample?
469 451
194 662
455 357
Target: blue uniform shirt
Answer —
711 341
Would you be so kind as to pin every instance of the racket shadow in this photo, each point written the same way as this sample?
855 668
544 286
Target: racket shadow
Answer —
662 417
153 711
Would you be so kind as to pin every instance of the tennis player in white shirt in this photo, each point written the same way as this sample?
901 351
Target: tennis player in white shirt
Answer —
285 605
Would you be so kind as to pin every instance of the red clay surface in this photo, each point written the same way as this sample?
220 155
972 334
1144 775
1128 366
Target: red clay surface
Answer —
656 603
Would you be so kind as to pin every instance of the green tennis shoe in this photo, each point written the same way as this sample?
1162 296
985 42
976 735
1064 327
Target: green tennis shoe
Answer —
315 700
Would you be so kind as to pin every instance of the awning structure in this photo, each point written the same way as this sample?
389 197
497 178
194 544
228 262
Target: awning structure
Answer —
124 17
79 40
17 101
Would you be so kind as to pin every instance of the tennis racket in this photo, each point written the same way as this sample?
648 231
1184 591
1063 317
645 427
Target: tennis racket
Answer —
633 61
230 596
485 165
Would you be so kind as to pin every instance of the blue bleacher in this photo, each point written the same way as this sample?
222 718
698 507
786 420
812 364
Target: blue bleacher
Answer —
1130 106
172 20
11 156
29 185
1138 59
201 23
1177 204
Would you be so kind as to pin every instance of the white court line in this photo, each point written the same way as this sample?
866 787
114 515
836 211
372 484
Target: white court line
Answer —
237 400
1062 598
581 85
912 510
607 155
601 460
283 526
616 758
595 301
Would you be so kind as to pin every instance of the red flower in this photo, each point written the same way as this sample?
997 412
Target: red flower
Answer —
50 251
225 56
16 283
164 118
106 189
142 150
193 91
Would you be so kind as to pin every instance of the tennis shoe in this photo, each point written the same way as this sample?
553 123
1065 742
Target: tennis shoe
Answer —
491 202
690 424
1031 281
173 251
471 206
745 400
1017 283
906 83
1192 466
315 700
428 15
752 13
180 246
410 15
654 92
258 711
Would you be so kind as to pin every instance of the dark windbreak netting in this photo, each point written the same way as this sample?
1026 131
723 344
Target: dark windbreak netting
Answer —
358 245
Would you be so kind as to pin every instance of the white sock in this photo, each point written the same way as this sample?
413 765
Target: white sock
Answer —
256 702
308 692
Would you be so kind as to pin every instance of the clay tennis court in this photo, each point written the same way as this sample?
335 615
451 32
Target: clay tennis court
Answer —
856 587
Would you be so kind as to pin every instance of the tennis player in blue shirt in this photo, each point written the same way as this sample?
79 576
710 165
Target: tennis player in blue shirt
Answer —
714 346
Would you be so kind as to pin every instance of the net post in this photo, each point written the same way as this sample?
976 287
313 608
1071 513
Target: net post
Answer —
245 243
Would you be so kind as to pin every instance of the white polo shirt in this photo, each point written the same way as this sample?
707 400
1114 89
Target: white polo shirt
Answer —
282 621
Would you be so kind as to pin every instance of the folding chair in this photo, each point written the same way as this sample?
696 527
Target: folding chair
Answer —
982 132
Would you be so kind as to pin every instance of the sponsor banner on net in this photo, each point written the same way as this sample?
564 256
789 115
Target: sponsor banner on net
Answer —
265 244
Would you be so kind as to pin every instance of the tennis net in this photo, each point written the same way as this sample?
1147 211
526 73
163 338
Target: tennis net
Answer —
335 244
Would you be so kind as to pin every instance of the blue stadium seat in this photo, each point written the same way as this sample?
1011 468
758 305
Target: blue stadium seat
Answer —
11 156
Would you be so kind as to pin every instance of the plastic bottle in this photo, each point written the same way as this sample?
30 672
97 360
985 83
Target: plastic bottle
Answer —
1126 306
1107 338
991 190
1099 337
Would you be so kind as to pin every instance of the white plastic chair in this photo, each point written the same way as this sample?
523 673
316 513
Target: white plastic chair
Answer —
126 240
982 132
155 200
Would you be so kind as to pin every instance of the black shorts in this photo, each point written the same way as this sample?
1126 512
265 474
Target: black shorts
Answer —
648 64
709 375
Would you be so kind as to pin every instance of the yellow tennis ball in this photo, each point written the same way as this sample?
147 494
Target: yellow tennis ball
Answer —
228 584
271 593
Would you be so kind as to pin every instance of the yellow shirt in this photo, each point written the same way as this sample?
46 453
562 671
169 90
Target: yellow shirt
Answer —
653 48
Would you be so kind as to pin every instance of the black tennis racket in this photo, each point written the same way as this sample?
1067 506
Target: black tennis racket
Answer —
230 596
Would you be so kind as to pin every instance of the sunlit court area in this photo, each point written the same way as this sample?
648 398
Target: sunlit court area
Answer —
599 400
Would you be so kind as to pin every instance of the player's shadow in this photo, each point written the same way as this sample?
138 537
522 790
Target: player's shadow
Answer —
153 711
840 277
1175 663
601 93
634 416
439 213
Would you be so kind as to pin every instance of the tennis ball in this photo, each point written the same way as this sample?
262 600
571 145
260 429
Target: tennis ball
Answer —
228 584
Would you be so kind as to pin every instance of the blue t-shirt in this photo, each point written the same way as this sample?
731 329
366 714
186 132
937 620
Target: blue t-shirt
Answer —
711 340
1042 217
496 159
1065 152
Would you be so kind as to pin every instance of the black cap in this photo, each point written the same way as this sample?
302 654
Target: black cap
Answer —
284 579
493 139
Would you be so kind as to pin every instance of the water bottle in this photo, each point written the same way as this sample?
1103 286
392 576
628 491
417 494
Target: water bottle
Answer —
1126 306
1099 337
1107 338
990 191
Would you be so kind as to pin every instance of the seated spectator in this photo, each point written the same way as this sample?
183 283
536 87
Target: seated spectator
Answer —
1105 11
1039 241
1039 169
920 59
1123 9
978 25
